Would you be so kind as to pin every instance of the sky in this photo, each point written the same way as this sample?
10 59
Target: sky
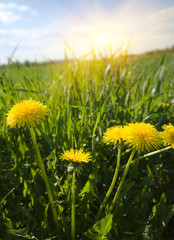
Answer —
40 30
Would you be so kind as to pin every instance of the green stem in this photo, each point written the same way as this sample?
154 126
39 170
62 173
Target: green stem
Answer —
154 152
44 175
112 184
122 181
73 205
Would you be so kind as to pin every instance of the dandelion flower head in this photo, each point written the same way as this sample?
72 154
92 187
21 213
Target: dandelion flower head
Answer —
76 156
165 105
168 135
113 135
142 136
28 112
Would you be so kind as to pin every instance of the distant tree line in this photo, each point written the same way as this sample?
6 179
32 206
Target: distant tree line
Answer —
169 49
27 63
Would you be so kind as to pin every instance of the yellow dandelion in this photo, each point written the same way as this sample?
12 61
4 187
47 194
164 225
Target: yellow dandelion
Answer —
76 156
142 136
168 135
28 112
165 105
113 135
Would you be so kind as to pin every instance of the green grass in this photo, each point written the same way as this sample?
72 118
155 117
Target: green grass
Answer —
84 100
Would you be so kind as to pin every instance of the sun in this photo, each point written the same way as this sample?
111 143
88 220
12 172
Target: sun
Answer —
97 31
101 38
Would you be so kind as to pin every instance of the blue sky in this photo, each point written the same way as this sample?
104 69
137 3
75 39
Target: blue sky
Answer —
39 28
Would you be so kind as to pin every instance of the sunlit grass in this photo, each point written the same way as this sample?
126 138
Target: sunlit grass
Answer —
85 97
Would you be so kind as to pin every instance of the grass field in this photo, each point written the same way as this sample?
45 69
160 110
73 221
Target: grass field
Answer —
84 99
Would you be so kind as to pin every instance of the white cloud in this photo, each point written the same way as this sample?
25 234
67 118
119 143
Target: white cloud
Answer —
3 31
164 14
7 6
23 8
30 44
32 38
2 5
8 17
11 5
33 33
10 12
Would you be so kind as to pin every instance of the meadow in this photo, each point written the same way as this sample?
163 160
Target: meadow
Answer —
85 97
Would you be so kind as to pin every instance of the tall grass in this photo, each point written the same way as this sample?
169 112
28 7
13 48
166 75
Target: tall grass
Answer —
85 97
